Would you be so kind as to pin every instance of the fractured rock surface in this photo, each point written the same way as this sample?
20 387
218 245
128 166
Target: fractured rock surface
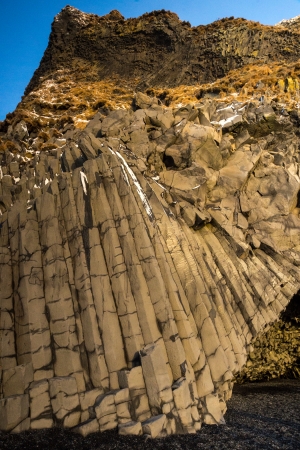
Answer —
139 262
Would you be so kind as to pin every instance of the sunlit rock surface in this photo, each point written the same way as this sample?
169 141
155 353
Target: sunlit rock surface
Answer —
148 243
139 260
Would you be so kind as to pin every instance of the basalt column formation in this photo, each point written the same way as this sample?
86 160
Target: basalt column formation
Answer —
145 247
132 300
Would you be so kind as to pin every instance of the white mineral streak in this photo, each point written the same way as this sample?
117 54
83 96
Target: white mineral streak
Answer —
242 109
227 108
125 175
138 187
81 120
84 181
160 185
230 121
61 141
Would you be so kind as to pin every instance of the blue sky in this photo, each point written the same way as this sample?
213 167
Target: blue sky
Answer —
25 26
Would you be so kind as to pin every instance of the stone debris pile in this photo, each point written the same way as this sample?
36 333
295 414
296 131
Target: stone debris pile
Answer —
139 260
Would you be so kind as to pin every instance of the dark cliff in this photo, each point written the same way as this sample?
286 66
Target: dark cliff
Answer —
157 49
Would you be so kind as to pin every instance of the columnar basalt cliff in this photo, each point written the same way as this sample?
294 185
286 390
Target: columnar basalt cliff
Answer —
141 257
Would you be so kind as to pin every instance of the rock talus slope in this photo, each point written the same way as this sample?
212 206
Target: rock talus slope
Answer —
142 256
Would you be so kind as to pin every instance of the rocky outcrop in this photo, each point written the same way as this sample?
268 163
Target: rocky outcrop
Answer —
134 49
94 63
140 259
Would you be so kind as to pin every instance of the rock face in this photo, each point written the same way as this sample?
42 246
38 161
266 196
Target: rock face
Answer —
139 260
134 49
143 258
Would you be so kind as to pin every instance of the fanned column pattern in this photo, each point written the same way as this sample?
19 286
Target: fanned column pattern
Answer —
124 301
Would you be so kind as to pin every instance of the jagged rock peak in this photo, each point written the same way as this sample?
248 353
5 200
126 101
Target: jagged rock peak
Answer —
114 15
289 22
69 12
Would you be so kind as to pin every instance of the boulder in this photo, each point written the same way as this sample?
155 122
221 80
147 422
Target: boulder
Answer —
154 426
143 101
130 428
86 428
20 131
202 144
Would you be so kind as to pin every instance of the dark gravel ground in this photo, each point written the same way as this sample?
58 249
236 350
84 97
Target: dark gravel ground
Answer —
260 416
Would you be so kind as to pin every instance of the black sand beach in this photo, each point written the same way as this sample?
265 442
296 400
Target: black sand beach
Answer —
260 416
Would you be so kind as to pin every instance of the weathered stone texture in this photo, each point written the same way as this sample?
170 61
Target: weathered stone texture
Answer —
140 268
40 406
190 55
